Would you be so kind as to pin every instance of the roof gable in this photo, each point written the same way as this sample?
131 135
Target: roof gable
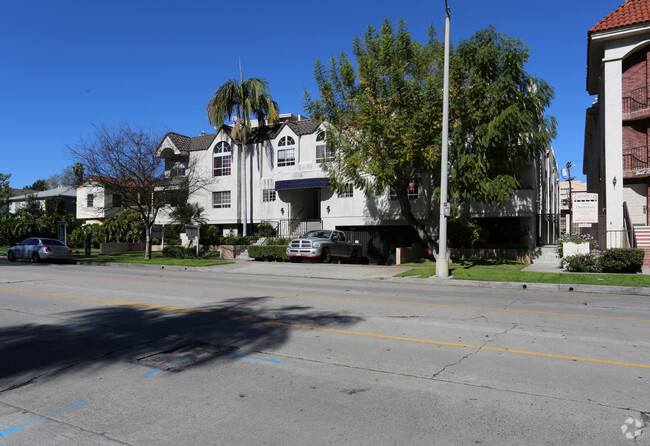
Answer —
631 12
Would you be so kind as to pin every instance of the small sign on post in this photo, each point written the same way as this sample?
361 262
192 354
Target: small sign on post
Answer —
585 207
61 231
192 232
447 208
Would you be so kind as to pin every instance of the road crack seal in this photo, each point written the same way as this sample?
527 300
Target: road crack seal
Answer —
435 375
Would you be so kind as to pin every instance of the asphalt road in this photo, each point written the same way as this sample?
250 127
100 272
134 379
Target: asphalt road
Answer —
144 356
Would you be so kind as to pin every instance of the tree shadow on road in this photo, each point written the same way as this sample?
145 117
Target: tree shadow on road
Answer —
129 332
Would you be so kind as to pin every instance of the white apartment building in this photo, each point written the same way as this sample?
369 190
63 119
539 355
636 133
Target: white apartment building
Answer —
286 187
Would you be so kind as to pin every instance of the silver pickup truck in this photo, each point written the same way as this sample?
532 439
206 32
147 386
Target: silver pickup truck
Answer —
323 244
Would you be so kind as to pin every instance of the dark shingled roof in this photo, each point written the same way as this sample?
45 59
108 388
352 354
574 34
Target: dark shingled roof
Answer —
304 127
194 144
260 134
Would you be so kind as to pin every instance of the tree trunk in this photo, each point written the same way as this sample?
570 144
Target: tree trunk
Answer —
407 213
147 241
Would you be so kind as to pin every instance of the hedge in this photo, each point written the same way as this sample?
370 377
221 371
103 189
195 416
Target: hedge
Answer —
621 260
613 260
268 252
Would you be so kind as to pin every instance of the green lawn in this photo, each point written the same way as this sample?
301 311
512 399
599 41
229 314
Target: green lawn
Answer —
156 259
509 271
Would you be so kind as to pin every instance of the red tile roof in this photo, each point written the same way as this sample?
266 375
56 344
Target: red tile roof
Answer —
631 12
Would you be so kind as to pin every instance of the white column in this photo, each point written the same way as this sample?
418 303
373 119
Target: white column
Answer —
613 140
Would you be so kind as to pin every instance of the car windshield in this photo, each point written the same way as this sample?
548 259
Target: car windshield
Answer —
318 234
51 241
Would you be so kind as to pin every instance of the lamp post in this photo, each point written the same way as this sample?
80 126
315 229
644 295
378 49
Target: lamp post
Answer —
566 173
442 260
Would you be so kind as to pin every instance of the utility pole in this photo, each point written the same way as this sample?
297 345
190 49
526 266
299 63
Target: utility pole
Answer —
442 260
566 173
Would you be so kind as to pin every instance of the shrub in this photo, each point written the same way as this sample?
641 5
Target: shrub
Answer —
581 263
279 241
464 233
236 240
173 234
210 235
621 260
268 252
575 238
265 230
178 252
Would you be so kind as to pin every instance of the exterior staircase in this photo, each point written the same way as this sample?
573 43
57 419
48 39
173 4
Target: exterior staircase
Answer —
546 255
642 234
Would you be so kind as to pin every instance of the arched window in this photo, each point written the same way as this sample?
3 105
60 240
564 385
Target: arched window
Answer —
287 152
222 159
323 154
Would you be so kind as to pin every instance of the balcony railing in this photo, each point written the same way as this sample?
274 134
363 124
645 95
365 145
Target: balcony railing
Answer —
635 158
636 102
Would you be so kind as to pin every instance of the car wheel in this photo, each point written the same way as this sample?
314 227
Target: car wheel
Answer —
326 256
11 256
354 258
35 257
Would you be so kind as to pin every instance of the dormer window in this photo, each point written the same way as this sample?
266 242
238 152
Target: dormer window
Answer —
178 170
222 159
286 151
323 154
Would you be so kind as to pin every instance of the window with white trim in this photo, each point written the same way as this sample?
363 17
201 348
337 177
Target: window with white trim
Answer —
346 192
90 200
221 199
269 195
323 154
178 169
286 154
412 192
222 159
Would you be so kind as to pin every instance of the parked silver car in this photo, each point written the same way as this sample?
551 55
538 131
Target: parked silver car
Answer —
37 248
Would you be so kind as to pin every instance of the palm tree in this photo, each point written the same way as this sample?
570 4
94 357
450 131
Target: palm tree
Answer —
188 213
243 99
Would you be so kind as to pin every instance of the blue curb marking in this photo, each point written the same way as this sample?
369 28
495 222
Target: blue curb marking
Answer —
81 325
166 368
21 426
275 361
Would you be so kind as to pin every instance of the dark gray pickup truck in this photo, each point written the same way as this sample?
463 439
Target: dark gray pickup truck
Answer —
323 244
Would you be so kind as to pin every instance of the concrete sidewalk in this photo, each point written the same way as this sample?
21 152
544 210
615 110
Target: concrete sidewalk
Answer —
335 271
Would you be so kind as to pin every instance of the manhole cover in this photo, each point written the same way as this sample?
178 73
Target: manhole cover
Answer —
185 355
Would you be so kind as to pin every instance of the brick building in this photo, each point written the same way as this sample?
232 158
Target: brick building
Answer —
617 125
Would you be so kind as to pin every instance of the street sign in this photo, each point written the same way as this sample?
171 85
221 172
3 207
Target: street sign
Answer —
60 231
157 231
192 231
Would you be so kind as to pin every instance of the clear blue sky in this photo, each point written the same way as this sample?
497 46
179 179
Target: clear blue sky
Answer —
66 64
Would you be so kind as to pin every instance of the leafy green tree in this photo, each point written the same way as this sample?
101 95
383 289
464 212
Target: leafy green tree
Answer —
33 206
384 116
5 190
498 116
38 185
244 99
